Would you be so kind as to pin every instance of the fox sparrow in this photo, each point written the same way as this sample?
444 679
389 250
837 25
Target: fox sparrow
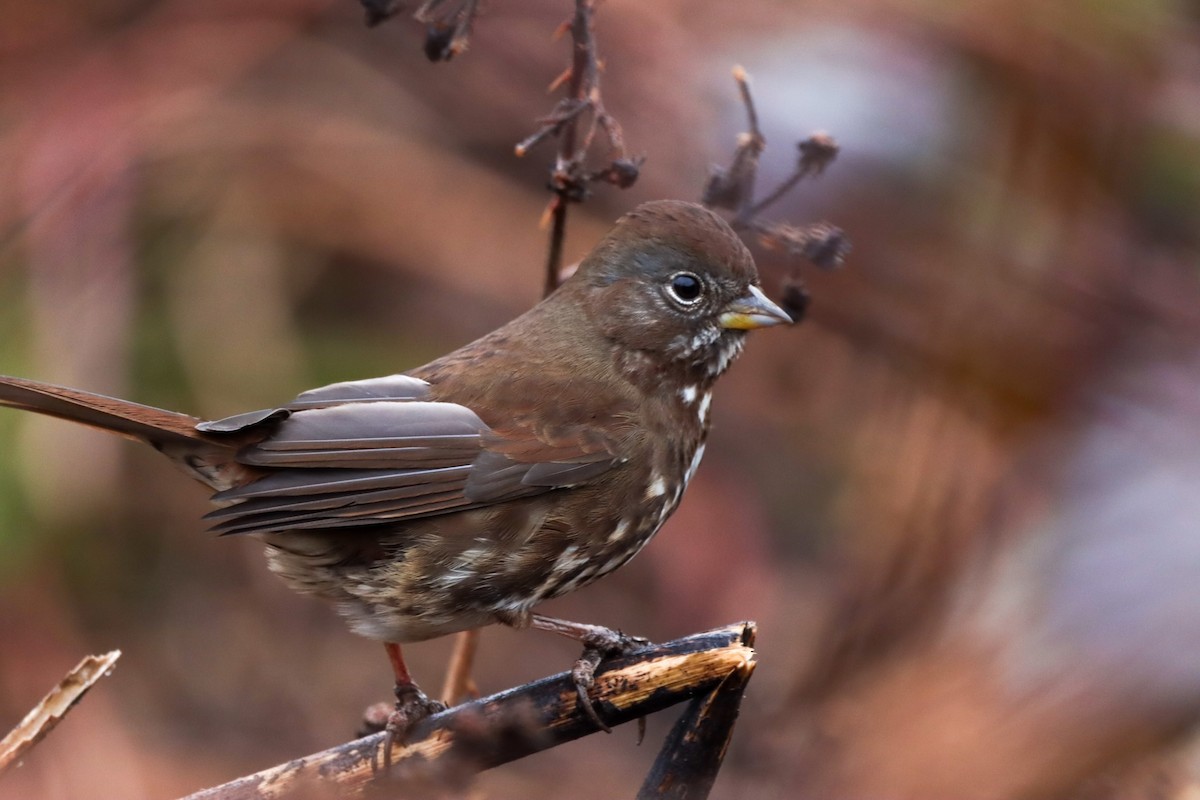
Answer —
518 468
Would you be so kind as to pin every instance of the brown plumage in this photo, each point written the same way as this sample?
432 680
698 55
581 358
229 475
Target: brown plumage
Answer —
522 466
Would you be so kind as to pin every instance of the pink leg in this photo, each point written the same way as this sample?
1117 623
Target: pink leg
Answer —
398 666
412 705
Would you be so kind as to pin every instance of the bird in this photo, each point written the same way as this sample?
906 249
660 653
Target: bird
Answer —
518 468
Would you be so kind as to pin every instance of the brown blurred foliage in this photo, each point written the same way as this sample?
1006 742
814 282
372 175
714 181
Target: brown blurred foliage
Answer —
960 499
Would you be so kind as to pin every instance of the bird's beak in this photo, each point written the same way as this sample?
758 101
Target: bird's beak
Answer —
753 310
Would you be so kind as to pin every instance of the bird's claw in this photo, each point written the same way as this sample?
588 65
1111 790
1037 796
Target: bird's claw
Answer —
597 645
584 676
412 706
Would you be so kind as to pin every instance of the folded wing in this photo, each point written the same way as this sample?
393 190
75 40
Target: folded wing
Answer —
373 452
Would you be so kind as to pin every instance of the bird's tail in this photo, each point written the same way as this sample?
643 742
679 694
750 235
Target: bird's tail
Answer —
146 423
210 459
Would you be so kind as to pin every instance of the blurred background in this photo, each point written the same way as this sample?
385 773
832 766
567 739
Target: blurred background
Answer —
962 500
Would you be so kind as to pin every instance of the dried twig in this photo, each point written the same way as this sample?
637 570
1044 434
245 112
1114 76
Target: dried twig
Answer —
447 33
576 121
447 748
448 25
816 153
54 706
579 120
733 188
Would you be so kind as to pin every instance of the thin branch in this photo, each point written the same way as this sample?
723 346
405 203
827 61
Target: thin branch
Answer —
557 211
54 706
822 244
563 180
552 124
576 120
732 188
448 25
447 748
743 82
816 153
447 34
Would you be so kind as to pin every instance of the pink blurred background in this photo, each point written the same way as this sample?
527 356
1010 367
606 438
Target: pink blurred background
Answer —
960 499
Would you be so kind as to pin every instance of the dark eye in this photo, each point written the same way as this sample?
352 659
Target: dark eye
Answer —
685 287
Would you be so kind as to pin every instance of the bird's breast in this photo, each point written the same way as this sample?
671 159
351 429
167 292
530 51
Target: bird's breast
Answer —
641 497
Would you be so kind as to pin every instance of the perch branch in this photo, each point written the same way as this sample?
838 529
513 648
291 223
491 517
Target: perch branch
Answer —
455 744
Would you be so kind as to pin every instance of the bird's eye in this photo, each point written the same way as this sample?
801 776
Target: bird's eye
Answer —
685 287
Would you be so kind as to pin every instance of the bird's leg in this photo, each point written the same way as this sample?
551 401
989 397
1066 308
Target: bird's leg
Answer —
598 642
459 685
412 705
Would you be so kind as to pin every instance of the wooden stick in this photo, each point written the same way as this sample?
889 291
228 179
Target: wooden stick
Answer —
691 755
54 706
448 748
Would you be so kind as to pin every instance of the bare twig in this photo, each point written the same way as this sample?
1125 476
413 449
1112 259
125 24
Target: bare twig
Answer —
54 706
733 188
564 179
816 153
448 25
452 745
743 82
557 211
447 34
576 121
819 242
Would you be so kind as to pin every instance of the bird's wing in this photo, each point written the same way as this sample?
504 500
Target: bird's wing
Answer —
372 452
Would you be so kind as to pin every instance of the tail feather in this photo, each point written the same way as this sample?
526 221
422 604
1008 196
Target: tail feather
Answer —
146 423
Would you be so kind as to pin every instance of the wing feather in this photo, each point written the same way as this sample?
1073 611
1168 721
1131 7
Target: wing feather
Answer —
375 452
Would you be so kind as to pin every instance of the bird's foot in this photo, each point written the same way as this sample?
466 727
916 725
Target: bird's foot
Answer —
599 643
397 720
412 706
